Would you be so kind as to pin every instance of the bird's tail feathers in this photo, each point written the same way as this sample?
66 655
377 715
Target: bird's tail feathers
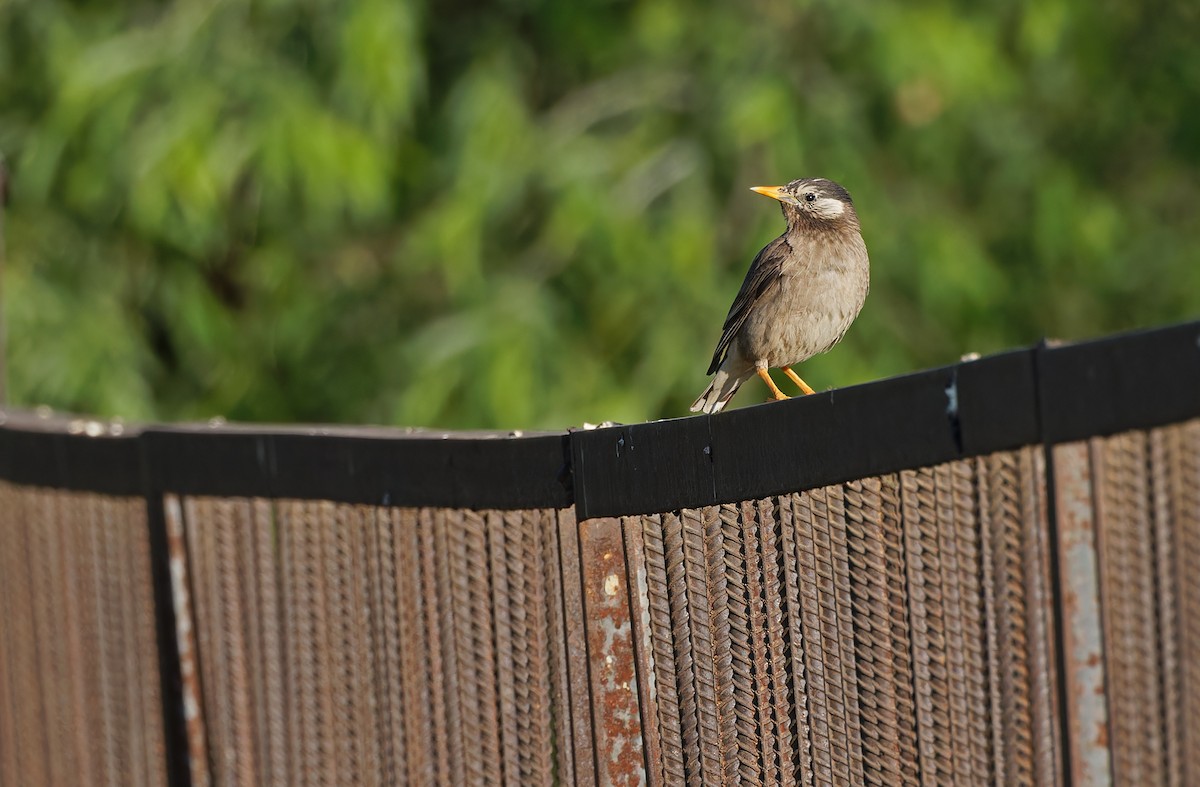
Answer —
719 392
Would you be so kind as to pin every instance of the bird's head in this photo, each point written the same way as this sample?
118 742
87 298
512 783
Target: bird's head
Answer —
813 201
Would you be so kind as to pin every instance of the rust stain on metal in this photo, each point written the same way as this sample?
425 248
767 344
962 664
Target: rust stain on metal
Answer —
186 634
1087 706
616 716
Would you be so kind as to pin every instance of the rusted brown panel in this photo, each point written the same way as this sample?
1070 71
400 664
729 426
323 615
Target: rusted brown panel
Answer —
837 588
1131 637
762 702
9 729
26 750
142 658
243 591
304 620
503 608
704 559
1167 587
261 568
458 553
838 634
802 748
1182 468
1048 745
758 756
720 608
400 646
778 680
130 581
539 758
290 668
199 560
359 678
1012 522
765 768
580 705
895 560
560 657
442 624
202 584
185 632
978 659
95 627
207 525
662 752
927 627
809 608
475 646
536 673
46 575
841 631
673 658
874 652
294 613
49 597
521 618
393 676
414 727
824 600
992 595
1174 511
87 533
965 647
1087 709
311 637
536 678
954 648
1042 653
739 579
616 717
79 692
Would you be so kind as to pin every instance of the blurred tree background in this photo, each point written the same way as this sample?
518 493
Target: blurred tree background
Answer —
527 214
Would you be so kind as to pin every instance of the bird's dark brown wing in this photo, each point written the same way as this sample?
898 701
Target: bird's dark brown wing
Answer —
763 273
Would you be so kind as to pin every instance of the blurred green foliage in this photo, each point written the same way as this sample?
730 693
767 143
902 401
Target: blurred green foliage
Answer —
527 214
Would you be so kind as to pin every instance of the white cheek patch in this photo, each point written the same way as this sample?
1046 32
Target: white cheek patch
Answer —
829 208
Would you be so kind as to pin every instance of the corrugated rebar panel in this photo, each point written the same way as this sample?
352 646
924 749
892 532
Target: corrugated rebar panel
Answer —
1019 599
892 630
1176 456
1147 513
79 686
343 644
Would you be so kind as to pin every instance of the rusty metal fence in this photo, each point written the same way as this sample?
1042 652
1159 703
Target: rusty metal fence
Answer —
988 573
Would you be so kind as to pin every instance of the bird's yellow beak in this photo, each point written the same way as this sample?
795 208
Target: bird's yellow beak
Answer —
774 192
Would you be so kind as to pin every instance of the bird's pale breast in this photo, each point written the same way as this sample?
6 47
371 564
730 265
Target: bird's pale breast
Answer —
809 308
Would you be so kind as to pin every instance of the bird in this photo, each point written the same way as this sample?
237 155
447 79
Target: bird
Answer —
800 295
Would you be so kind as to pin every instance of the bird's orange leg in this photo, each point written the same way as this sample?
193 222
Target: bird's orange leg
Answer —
796 379
766 378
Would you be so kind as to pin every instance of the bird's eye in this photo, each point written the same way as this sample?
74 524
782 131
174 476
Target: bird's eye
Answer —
810 197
